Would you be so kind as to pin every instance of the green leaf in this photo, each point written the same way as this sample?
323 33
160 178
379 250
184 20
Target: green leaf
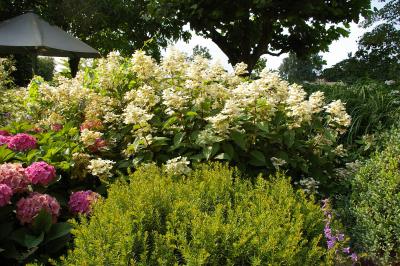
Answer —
257 158
210 151
228 148
169 122
178 139
239 139
289 138
24 238
58 230
191 114
223 156
5 229
42 222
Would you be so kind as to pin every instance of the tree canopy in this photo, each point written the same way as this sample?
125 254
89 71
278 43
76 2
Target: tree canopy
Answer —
245 30
298 70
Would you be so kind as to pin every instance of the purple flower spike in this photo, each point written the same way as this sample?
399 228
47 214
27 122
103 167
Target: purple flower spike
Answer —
331 243
346 250
340 237
354 257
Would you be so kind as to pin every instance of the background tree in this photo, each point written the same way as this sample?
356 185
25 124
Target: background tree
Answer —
201 51
245 30
378 54
295 69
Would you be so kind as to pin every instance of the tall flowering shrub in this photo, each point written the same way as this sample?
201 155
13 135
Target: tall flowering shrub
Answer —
142 111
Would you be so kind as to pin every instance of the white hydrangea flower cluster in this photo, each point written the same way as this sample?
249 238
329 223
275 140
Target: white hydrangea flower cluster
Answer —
178 166
89 137
337 115
202 100
101 168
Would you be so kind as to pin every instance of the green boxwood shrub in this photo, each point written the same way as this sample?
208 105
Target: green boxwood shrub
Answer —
375 205
210 217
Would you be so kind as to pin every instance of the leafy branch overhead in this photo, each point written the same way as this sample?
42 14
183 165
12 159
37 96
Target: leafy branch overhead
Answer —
245 30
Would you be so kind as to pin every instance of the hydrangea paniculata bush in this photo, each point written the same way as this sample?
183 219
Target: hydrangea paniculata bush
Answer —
194 109
28 208
80 202
40 173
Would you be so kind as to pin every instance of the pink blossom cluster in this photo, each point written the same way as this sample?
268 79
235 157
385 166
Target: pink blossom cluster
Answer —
99 145
80 202
56 127
21 142
28 208
4 133
5 194
13 175
40 173
94 124
4 139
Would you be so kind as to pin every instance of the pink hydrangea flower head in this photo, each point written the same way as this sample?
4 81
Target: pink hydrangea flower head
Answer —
13 175
4 139
40 173
81 201
28 208
22 142
56 127
5 194
94 124
99 145
4 133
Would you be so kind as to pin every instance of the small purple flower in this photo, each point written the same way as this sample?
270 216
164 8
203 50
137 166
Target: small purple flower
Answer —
346 250
354 257
340 237
327 231
331 243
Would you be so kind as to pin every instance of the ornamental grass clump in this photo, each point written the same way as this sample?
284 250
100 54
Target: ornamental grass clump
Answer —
208 216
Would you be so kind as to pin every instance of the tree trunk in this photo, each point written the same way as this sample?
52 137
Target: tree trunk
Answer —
73 65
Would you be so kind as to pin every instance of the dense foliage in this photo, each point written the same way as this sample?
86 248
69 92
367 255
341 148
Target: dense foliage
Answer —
38 173
210 217
246 30
195 112
372 105
374 205
299 70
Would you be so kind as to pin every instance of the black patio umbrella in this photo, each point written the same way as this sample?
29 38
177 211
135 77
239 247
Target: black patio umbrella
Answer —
30 34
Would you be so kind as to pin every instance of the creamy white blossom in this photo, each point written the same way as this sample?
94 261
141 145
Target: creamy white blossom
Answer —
178 166
101 168
88 137
136 115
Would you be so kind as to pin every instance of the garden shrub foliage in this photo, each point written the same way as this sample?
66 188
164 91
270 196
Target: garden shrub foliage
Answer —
375 205
210 217
158 112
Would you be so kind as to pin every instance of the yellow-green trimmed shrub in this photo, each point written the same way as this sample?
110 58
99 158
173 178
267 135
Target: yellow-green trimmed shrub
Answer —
210 217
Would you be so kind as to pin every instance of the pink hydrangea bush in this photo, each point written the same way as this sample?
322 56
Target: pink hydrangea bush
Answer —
4 133
80 202
13 175
4 139
28 208
40 173
22 142
5 194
